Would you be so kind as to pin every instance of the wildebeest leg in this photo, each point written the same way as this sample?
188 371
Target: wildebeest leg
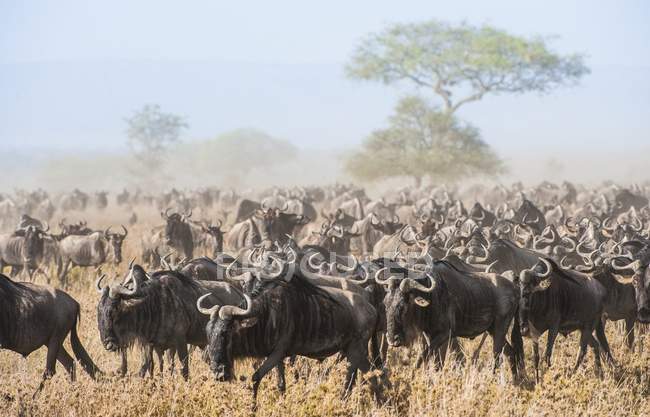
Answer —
171 353
53 348
66 360
63 277
550 342
375 351
183 357
123 365
536 359
147 361
357 356
596 348
459 355
477 351
273 360
602 340
499 341
15 270
629 332
282 383
585 339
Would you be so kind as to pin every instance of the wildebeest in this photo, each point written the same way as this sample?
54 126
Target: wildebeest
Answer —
178 234
89 250
445 302
22 250
159 311
289 317
32 316
562 301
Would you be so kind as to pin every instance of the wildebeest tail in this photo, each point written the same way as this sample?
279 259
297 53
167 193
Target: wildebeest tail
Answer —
517 342
80 352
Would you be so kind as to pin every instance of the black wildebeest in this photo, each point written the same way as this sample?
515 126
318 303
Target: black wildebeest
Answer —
159 311
445 302
562 301
289 317
22 250
32 316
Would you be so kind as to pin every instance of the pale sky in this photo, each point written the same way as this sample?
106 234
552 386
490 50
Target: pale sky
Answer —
70 71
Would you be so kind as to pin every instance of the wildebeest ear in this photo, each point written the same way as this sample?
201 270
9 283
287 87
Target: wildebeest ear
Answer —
249 322
421 301
543 285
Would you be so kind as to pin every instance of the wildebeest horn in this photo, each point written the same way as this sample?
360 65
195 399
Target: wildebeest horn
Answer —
47 226
126 232
98 283
207 311
386 281
395 218
107 231
631 265
348 268
227 312
188 215
292 256
311 262
482 217
219 224
487 268
562 263
410 284
264 206
571 242
285 207
549 268
165 214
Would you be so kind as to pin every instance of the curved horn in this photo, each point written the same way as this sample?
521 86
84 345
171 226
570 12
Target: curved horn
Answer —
264 206
346 268
411 284
126 232
227 312
571 242
549 268
207 311
219 224
487 268
98 283
107 231
311 262
386 281
632 265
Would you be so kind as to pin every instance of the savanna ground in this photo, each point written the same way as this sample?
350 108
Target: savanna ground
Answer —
469 390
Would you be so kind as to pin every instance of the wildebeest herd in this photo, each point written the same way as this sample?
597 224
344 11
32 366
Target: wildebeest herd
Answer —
325 271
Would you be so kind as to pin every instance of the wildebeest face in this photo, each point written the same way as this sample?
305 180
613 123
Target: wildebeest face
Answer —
33 244
107 319
396 304
641 284
531 281
219 333
172 227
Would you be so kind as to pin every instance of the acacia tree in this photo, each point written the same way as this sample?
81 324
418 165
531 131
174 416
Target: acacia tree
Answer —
461 64
422 140
150 132
456 65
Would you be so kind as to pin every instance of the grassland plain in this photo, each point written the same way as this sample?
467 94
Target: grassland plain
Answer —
313 388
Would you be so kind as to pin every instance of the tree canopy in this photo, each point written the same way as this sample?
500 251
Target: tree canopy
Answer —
463 63
422 140
150 132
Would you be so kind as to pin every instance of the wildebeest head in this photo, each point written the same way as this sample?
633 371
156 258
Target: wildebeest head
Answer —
116 240
112 323
33 244
387 227
224 322
637 274
216 233
537 278
402 296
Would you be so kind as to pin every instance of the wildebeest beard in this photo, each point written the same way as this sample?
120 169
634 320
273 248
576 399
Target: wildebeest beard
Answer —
146 316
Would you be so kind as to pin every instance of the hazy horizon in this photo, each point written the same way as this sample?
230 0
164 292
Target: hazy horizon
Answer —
70 73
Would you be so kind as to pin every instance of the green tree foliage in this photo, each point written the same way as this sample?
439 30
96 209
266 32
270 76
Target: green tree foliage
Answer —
150 133
423 141
461 64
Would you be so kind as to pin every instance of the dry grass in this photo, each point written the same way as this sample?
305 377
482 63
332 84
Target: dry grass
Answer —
455 390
